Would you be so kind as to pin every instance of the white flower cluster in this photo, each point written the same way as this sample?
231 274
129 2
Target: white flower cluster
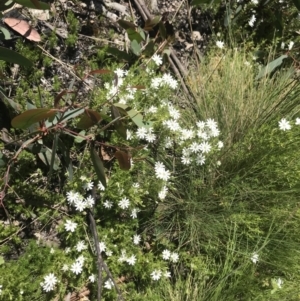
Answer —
290 45
109 284
77 266
172 256
165 80
49 282
220 44
70 226
146 134
136 239
252 20
255 258
129 259
196 141
79 202
285 125
113 89
157 274
161 172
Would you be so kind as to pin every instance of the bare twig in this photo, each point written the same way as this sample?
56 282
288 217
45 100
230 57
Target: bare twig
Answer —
100 261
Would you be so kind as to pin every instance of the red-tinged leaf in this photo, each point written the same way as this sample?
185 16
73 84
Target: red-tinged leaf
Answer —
23 28
59 97
139 87
89 119
100 71
123 159
98 165
32 116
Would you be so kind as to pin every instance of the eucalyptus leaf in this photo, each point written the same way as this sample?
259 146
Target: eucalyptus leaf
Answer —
6 33
98 165
46 158
271 66
135 47
33 4
14 57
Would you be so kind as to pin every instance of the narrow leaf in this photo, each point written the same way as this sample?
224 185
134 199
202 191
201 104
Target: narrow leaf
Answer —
271 66
72 113
46 158
297 4
14 57
54 148
33 4
98 165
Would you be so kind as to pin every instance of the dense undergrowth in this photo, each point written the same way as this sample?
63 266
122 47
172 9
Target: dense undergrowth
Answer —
209 209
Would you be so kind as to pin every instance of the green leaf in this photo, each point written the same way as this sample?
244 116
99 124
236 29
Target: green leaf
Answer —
98 165
46 158
1 260
135 116
6 33
200 2
32 116
135 47
271 66
54 148
134 35
297 4
123 159
14 57
72 113
121 55
13 104
227 18
4 5
33 4
79 139
149 49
